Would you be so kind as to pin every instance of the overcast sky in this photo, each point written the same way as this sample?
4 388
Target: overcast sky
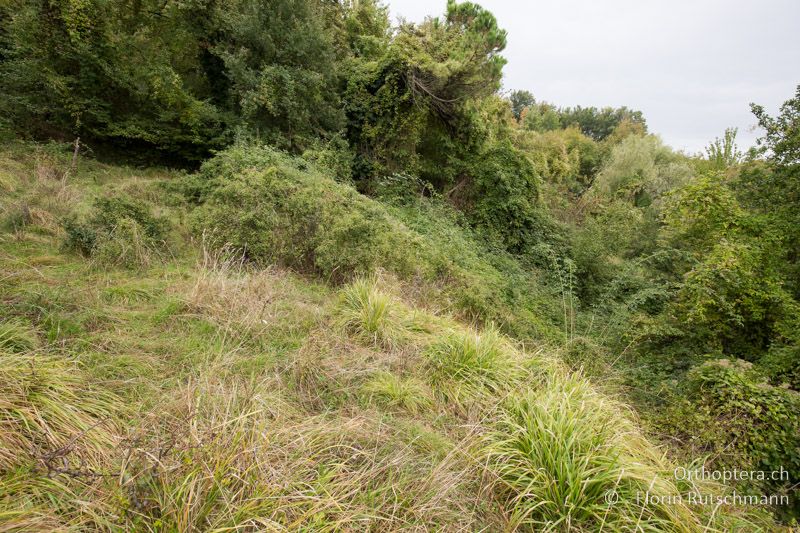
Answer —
692 66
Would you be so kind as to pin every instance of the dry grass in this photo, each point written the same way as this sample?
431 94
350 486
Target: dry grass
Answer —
51 419
234 296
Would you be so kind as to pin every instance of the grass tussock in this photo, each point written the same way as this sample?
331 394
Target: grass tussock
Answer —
50 417
465 363
395 392
372 315
125 246
560 451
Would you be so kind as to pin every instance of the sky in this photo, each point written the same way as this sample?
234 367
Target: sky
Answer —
691 66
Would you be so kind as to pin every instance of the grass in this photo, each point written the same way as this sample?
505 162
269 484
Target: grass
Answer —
371 315
466 362
51 417
16 336
395 392
197 392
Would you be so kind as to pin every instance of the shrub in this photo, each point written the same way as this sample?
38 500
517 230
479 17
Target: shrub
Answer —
757 422
301 219
503 199
120 231
108 212
733 301
280 209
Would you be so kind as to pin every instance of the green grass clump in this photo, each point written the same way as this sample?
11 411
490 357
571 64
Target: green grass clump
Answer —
17 337
558 452
395 392
370 314
472 362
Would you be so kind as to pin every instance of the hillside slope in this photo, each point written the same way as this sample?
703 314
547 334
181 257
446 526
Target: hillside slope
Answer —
228 352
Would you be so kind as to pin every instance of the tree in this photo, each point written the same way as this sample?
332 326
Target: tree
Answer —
411 110
600 123
520 100
723 153
176 78
541 117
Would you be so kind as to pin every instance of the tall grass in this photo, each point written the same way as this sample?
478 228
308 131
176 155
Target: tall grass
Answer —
16 336
370 314
395 392
464 363
568 459
50 417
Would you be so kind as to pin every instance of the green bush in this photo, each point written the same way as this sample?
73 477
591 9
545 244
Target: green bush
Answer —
503 200
280 209
277 212
758 423
120 231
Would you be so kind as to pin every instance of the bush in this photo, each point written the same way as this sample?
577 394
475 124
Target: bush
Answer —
120 232
757 422
279 212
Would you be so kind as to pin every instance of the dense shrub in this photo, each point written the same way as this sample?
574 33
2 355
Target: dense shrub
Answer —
641 170
303 219
504 199
280 209
120 231
757 423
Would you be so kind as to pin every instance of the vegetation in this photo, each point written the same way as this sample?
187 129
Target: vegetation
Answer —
370 292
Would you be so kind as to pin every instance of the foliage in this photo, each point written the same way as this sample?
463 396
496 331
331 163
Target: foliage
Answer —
121 231
597 124
759 420
503 199
520 100
641 170
408 111
178 77
723 153
279 209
